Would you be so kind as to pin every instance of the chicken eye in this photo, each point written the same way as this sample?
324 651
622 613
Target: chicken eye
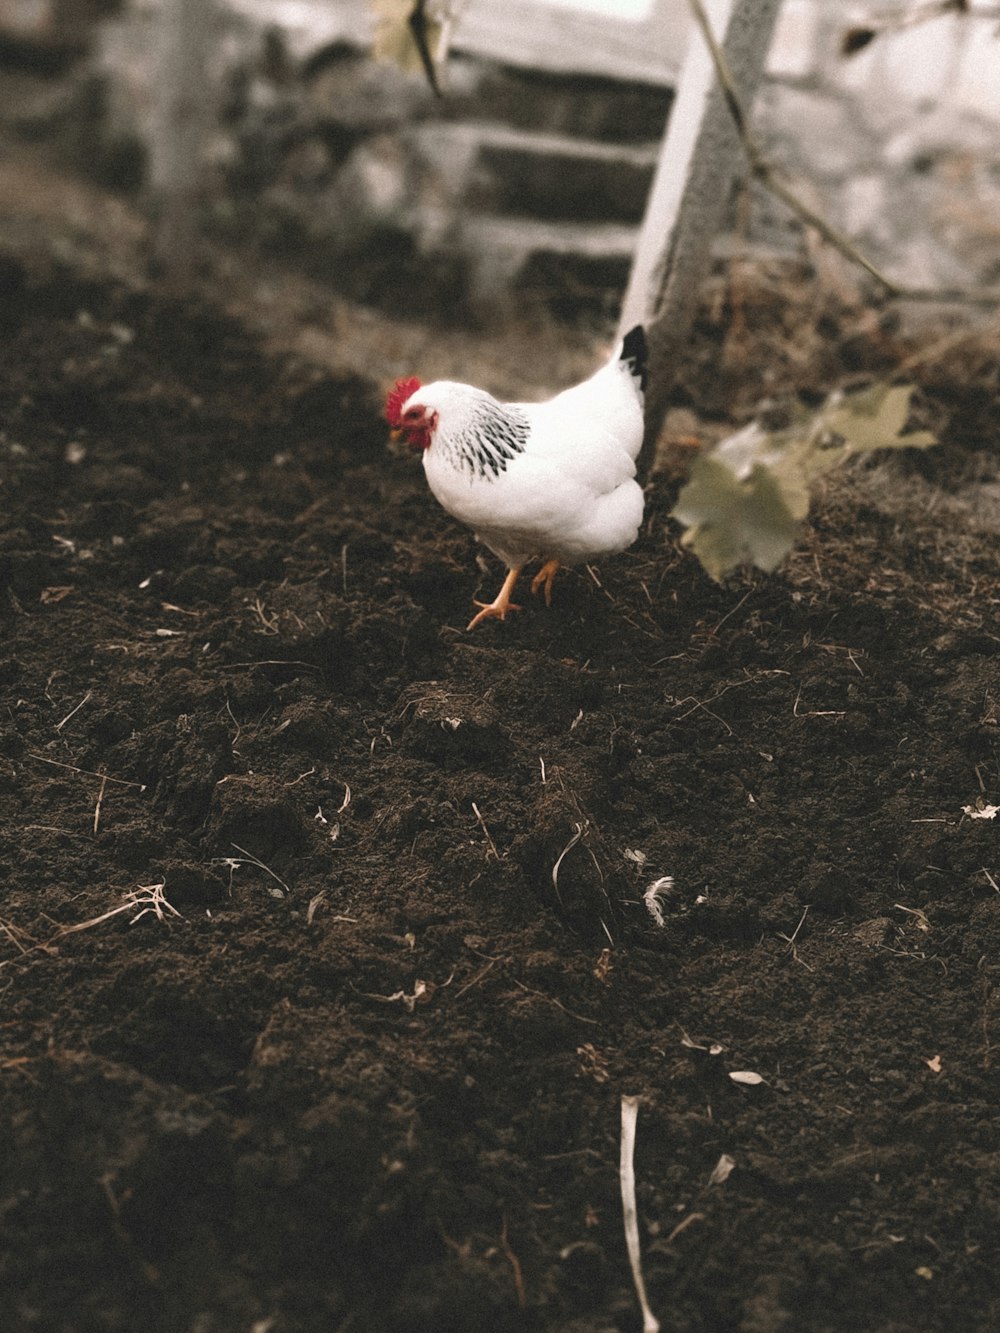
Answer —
411 414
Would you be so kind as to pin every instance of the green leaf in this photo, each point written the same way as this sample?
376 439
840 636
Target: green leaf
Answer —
874 419
745 499
732 522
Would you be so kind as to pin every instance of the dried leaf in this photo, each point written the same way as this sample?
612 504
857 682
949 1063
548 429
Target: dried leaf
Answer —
50 595
414 36
979 811
746 1076
723 1170
394 36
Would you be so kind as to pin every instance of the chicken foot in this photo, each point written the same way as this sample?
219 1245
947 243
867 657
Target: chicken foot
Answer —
501 604
544 578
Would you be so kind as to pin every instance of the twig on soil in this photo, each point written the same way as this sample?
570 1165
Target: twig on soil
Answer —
239 730
762 170
626 1176
580 829
272 661
515 1263
482 825
97 807
268 621
248 858
683 1226
15 934
316 902
821 712
790 940
86 772
147 897
996 886
731 612
73 711
579 1018
480 976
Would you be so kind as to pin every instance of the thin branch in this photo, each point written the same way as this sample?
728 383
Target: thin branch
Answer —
762 170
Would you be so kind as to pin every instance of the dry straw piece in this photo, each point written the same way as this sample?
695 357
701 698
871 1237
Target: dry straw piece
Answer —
630 1114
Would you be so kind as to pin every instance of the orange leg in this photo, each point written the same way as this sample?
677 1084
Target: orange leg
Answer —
501 604
545 577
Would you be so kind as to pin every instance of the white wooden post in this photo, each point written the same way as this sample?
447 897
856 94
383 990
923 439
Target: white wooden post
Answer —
183 102
699 159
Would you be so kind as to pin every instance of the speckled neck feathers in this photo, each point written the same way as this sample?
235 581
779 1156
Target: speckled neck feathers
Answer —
486 440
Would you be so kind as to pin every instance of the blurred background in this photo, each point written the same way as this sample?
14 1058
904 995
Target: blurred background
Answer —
268 128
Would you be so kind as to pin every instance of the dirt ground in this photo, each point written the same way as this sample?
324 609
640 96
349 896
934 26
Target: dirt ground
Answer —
324 959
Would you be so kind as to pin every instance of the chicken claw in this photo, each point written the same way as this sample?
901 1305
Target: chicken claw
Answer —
501 604
545 577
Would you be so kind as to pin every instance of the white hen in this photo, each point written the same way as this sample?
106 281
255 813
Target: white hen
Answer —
553 481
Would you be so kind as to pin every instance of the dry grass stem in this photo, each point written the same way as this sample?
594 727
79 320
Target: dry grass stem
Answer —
148 898
73 711
268 620
486 832
515 1264
248 858
818 712
97 807
626 1175
85 772
579 1018
480 976
580 828
790 939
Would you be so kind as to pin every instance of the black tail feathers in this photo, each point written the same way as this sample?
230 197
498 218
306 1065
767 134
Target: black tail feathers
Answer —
634 355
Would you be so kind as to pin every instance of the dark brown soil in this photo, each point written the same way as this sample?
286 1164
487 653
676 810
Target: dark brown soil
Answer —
353 1058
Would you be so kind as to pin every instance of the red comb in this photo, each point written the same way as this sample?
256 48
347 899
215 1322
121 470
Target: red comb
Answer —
397 396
